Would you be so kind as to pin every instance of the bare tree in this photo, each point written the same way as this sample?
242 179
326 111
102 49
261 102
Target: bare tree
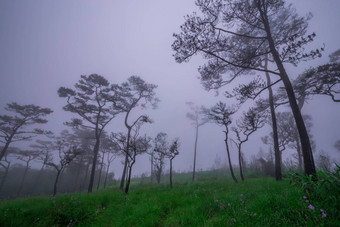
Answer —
221 115
111 155
133 94
16 127
237 35
252 120
198 119
160 148
92 100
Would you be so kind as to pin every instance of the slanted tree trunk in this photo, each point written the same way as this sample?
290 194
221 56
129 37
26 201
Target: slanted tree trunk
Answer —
228 152
194 168
94 163
100 171
278 172
309 165
298 150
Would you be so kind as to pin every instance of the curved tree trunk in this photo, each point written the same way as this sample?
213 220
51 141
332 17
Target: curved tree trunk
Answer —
194 167
309 165
278 172
229 160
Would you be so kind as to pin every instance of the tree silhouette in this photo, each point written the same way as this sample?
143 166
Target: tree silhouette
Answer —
237 35
221 115
92 100
15 127
198 119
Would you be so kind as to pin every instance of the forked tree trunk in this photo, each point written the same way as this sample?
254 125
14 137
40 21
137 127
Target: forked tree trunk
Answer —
194 168
309 165
278 172
228 152
85 177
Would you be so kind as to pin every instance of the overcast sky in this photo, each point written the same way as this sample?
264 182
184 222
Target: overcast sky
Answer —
47 44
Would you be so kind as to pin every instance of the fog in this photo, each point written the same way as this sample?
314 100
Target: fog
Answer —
48 44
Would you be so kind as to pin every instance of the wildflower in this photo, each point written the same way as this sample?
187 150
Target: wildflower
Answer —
304 197
321 210
241 195
311 207
307 201
216 201
229 204
234 220
254 214
324 215
245 211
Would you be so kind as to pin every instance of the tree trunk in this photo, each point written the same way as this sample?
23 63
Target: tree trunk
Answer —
5 148
228 152
36 182
129 178
23 179
278 172
194 168
298 150
85 177
56 182
122 181
309 165
170 172
152 172
4 177
107 173
94 163
100 171
240 161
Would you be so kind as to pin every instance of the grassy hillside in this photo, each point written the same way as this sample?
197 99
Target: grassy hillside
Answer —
216 202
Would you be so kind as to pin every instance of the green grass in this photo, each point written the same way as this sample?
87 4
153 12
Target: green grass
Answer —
216 202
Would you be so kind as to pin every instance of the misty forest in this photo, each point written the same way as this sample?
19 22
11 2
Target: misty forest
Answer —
170 113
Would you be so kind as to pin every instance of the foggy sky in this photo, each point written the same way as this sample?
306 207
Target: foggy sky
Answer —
47 44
